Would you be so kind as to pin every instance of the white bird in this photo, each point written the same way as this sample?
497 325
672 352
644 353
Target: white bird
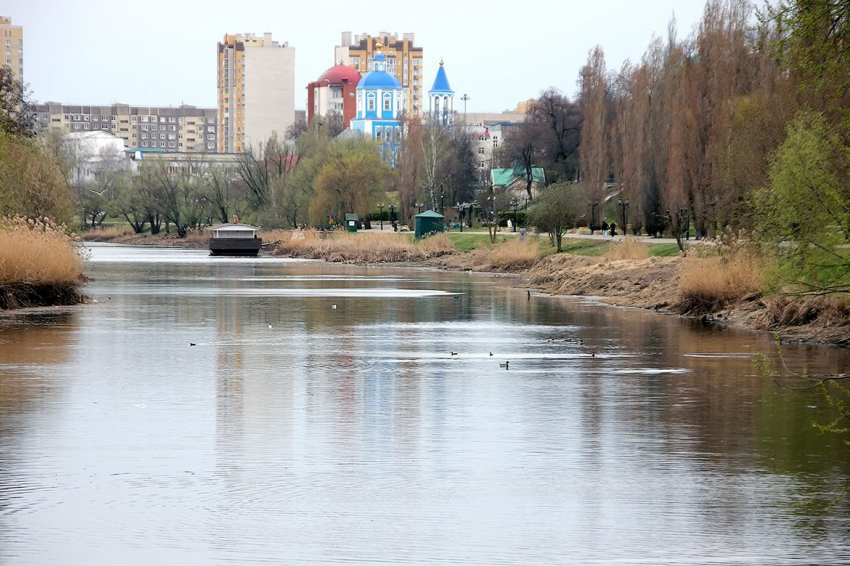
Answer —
333 306
270 325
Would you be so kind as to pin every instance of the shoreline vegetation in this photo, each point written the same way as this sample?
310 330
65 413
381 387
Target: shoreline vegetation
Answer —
722 284
40 264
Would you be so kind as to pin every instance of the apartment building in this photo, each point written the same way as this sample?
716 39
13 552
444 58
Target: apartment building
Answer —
13 47
181 129
256 90
403 60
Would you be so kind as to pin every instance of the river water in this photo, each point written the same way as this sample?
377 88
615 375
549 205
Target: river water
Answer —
256 411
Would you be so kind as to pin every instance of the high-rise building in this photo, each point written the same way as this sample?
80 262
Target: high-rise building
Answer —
13 47
256 90
403 60
181 129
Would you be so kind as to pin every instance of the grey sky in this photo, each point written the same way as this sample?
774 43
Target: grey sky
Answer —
160 53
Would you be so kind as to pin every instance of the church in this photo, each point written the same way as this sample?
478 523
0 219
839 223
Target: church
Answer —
379 105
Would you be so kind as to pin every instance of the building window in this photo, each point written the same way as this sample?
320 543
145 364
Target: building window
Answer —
144 136
172 128
94 118
161 144
86 126
162 137
481 138
144 144
153 127
378 132
144 118
480 151
144 127
162 119
370 105
210 136
171 119
104 127
210 128
210 146
76 126
495 143
387 102
172 144
172 136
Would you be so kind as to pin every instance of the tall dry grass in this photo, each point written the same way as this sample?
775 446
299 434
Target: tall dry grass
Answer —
356 248
712 283
509 256
37 252
628 248
40 264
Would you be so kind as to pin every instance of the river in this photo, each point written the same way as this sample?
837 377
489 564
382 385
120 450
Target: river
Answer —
271 411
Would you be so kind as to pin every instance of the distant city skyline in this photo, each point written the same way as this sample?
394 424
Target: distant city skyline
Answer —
162 53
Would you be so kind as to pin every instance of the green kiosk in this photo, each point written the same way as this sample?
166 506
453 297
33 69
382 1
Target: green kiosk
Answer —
351 222
427 223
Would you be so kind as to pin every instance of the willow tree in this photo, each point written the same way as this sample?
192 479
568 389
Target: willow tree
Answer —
806 207
352 179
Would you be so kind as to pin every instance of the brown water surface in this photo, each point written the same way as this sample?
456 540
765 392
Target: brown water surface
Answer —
217 411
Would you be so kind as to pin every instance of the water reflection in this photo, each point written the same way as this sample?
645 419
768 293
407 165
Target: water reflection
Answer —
225 411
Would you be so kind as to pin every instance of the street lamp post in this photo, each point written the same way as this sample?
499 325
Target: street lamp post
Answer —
624 204
442 205
419 205
392 217
381 208
594 204
460 215
514 203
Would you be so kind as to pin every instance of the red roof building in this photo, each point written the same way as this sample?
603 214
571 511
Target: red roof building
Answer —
333 94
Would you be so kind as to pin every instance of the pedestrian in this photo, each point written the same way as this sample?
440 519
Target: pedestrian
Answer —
604 228
613 229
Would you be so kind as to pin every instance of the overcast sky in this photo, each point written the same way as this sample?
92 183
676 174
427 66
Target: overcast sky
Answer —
161 53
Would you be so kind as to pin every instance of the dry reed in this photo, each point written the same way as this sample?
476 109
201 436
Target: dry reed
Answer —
512 255
40 263
709 284
628 248
355 248
787 312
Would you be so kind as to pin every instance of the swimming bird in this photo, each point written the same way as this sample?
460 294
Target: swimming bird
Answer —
491 353
333 306
454 353
270 325
505 365
529 295
192 344
593 354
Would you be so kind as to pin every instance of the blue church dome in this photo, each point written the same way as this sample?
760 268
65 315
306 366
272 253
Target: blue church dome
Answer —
379 78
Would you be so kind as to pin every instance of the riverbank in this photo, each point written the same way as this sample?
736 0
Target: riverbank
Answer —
632 279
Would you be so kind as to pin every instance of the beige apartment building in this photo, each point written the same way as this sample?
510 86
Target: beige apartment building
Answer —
173 130
404 60
13 47
256 90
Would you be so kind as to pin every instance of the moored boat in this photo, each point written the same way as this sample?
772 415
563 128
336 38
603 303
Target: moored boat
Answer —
235 240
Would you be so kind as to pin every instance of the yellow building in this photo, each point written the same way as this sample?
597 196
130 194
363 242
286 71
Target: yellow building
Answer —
256 90
404 60
13 47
